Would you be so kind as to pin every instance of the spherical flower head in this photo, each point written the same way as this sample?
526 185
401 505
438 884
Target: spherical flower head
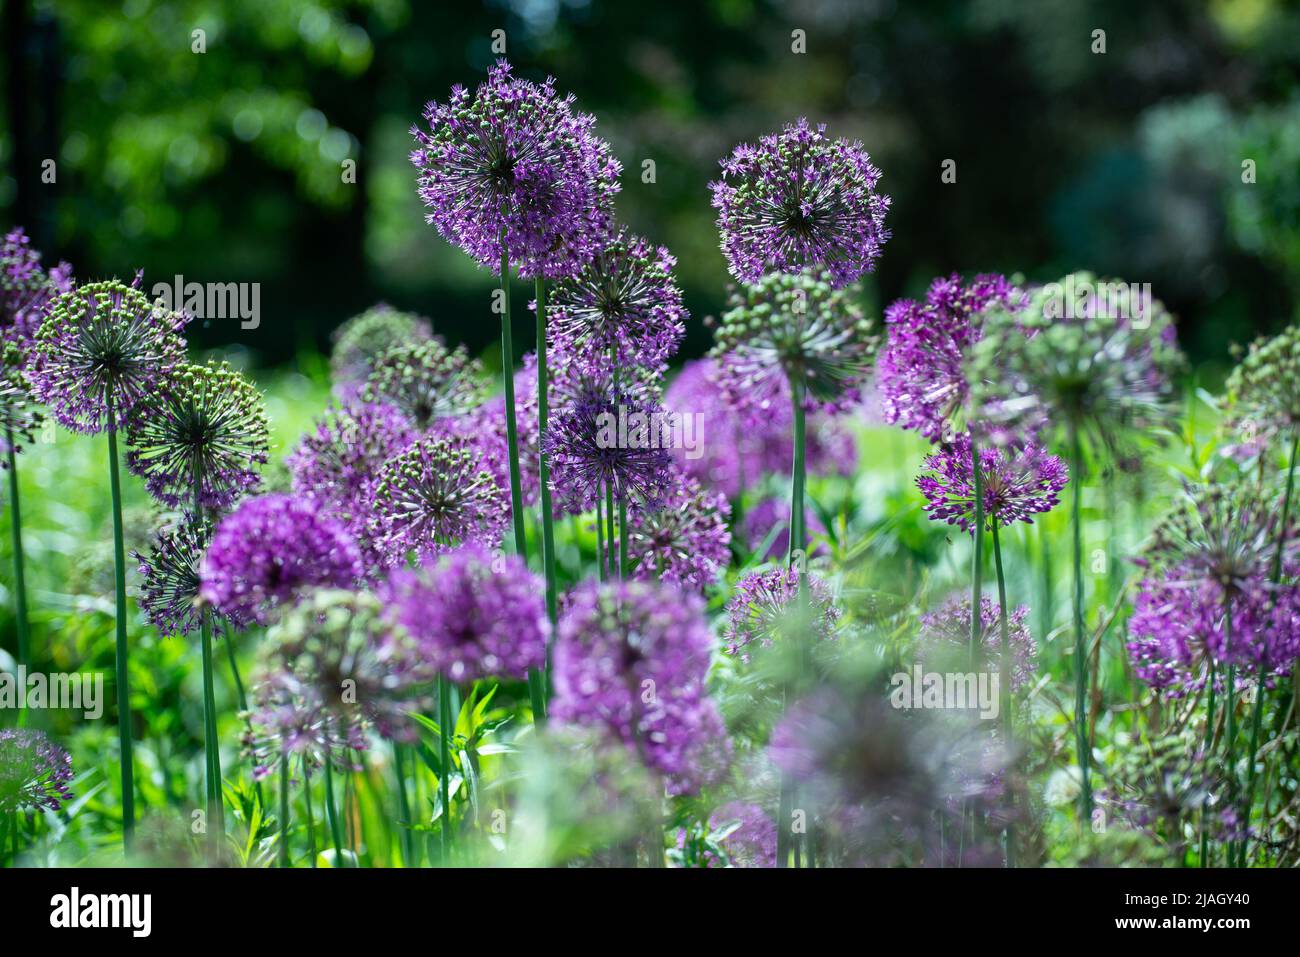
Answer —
624 301
203 435
683 538
608 439
289 722
800 200
631 660
797 327
727 451
20 417
748 834
1176 632
764 610
359 341
513 171
170 582
947 630
35 773
337 463
26 288
102 348
921 370
1017 483
433 495
472 614
269 551
365 670
772 514
487 425
1263 400
425 381
1082 355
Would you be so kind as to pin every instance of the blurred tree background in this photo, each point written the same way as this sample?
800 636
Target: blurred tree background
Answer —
227 165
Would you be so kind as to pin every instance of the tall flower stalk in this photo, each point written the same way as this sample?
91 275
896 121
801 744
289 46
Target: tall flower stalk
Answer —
537 680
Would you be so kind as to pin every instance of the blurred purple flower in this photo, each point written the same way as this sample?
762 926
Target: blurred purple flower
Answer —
1018 482
35 773
683 539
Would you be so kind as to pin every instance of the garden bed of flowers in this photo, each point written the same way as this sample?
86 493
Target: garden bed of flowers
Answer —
986 580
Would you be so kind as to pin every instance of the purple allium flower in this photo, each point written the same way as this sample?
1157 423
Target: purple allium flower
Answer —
487 426
472 614
749 834
730 450
425 381
26 288
169 589
948 630
765 515
1218 549
1018 482
270 550
624 300
365 337
764 609
1100 361
102 348
607 440
921 372
793 327
631 660
515 172
289 721
683 538
20 417
337 464
433 495
800 200
205 426
357 666
35 773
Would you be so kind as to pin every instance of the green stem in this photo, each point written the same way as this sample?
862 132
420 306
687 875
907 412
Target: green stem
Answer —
1080 642
121 665
602 569
977 553
216 816
1004 678
537 683
624 564
611 555
1206 747
284 813
311 817
331 812
404 806
20 583
508 385
444 762
1230 745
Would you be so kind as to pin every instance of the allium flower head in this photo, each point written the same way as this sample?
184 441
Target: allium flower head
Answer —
269 551
624 300
749 834
290 722
1263 399
205 427
358 342
425 381
337 463
921 370
487 425
361 665
35 773
514 170
683 538
800 200
102 348
764 609
19 415
733 450
948 629
1101 361
631 660
169 588
589 452
26 288
433 495
1018 482
472 614
797 326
